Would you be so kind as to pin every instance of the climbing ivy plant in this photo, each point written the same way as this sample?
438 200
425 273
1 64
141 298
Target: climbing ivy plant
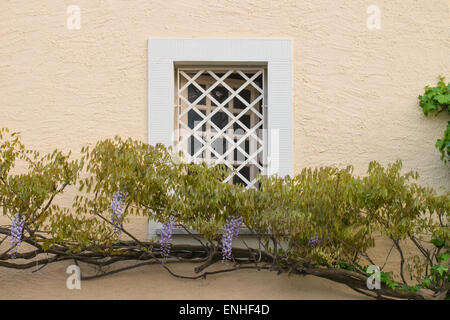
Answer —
434 101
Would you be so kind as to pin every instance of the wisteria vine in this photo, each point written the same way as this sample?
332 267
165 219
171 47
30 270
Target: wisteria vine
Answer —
17 231
117 206
166 237
313 240
231 232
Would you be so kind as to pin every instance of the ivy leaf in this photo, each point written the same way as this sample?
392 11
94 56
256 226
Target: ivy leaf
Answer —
435 100
438 242
443 257
426 282
441 269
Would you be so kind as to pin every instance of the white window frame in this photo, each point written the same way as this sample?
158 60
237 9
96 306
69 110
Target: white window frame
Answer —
164 53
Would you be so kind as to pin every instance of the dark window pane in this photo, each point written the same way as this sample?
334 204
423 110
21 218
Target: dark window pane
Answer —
245 171
194 93
194 118
238 104
245 119
220 94
220 119
258 81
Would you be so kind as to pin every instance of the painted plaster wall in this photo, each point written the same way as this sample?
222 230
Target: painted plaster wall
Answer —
355 89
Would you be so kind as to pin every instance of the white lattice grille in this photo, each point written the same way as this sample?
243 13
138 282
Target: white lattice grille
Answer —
220 118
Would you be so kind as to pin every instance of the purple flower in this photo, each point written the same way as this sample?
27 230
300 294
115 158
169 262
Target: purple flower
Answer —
17 231
313 240
166 237
117 206
231 232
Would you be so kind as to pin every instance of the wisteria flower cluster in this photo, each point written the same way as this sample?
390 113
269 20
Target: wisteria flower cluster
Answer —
313 240
17 231
166 237
231 232
117 206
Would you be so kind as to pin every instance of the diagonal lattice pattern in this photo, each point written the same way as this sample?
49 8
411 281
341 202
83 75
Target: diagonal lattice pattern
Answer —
220 119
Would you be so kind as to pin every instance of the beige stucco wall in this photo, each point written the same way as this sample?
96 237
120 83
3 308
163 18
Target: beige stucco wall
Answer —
355 89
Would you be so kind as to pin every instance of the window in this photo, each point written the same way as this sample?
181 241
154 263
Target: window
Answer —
217 124
220 118
165 56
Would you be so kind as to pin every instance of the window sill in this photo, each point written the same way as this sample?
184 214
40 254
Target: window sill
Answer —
181 231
